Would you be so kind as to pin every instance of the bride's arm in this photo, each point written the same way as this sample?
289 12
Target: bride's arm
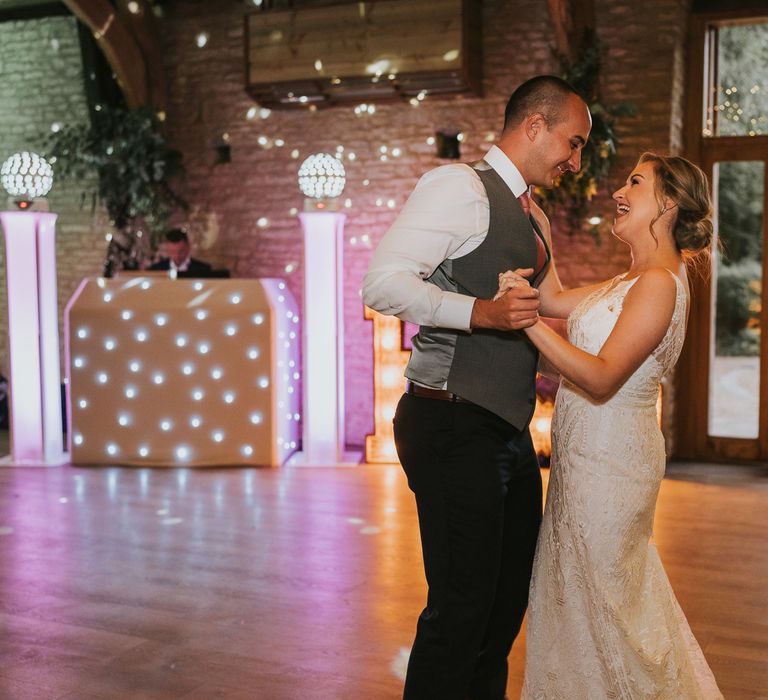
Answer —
644 319
555 301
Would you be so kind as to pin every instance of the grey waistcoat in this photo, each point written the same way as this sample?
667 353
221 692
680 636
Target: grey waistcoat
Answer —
494 369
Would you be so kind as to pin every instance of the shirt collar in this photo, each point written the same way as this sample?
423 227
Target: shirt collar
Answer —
506 169
181 268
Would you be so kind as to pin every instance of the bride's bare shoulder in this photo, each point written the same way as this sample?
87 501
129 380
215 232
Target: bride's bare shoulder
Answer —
655 288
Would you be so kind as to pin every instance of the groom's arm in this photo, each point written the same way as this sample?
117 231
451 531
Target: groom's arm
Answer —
445 217
437 219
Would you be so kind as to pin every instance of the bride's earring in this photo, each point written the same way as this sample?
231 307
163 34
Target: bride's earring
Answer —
664 210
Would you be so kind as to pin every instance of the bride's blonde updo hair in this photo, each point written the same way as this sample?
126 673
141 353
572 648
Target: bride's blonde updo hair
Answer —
686 184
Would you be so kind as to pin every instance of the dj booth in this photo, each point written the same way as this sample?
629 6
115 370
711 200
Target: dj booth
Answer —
182 372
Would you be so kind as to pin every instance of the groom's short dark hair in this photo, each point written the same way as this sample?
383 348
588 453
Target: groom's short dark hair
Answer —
544 93
176 235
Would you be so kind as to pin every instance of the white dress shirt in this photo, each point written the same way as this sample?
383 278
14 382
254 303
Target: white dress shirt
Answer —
446 217
180 268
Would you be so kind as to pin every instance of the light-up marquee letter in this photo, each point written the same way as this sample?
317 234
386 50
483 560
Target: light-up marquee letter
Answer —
389 361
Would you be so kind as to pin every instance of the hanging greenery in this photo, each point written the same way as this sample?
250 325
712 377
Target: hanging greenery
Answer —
135 168
575 191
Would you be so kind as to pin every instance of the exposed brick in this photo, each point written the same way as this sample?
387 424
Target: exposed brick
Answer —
41 82
644 64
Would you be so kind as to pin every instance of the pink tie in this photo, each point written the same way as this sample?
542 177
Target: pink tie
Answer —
525 202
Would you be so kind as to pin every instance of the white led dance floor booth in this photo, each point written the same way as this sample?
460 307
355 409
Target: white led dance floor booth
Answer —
182 372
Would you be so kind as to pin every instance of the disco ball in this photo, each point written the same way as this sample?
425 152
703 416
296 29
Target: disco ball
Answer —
321 175
26 175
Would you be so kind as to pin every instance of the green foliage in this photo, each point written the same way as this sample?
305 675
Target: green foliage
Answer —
738 309
576 190
740 209
740 229
742 105
742 90
135 167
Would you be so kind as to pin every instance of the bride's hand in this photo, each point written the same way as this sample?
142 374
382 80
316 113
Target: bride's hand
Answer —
512 278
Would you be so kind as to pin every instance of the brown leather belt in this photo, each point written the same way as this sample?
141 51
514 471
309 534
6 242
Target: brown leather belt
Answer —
439 394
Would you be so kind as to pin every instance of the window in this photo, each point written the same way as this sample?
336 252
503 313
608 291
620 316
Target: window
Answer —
722 399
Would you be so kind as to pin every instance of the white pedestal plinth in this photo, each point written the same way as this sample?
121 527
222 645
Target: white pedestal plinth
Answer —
33 339
323 341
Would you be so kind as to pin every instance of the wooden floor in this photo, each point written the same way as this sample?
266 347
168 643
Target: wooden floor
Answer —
295 584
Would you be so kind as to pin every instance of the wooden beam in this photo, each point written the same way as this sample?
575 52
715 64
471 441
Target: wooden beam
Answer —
570 19
144 30
129 44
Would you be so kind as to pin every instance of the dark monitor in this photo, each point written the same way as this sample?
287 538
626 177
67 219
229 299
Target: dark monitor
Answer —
214 274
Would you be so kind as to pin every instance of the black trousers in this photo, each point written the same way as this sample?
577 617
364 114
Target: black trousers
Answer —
478 493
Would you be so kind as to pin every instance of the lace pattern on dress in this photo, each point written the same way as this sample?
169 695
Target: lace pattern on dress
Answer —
603 621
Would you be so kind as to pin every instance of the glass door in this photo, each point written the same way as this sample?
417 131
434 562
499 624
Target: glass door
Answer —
735 376
721 388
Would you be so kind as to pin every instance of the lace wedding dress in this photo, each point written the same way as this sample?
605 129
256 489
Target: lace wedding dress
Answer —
603 621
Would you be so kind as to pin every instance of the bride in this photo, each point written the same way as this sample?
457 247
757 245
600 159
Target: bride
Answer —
603 621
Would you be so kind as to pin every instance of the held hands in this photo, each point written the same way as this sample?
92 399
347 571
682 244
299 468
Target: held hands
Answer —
511 279
515 306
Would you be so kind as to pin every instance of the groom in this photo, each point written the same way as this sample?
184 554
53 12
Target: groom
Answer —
462 427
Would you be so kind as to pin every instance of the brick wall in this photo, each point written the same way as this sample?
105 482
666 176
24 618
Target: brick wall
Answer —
645 64
41 83
207 100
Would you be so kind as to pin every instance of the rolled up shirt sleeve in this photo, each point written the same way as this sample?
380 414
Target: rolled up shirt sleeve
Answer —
445 217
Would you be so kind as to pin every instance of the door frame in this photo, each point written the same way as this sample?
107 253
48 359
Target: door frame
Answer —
692 378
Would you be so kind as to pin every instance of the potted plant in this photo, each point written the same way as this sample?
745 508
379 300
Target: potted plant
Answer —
576 190
135 167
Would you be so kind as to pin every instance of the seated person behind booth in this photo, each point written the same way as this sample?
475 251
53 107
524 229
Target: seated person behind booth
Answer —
176 244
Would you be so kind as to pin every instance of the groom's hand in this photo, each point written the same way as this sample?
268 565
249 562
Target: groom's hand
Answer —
518 308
